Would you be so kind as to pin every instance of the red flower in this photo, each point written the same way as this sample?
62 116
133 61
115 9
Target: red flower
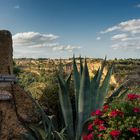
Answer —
98 112
105 107
101 127
88 137
132 96
92 113
115 133
115 113
98 121
100 135
136 109
90 127
134 130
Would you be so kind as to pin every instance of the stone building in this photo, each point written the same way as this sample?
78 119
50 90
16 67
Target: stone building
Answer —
14 101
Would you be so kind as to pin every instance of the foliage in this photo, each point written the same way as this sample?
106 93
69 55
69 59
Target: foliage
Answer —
117 120
45 129
89 95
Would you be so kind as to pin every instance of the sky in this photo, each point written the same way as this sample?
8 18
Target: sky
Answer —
61 28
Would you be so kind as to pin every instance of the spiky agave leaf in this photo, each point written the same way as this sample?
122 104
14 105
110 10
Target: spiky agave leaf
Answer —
76 77
116 92
66 106
84 100
94 86
103 90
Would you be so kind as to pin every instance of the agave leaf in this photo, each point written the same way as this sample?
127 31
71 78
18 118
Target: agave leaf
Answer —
81 66
76 78
94 86
66 106
116 92
101 71
45 120
103 90
59 136
68 80
84 100
28 136
121 95
37 133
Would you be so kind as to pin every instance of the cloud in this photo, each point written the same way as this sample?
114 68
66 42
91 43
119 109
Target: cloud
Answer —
127 46
110 29
69 48
137 6
126 35
131 26
98 38
29 44
121 37
16 7
33 39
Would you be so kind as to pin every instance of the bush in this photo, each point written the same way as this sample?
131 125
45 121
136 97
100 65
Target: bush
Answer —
119 120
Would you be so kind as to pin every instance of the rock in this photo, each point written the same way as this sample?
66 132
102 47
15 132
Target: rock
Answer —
14 101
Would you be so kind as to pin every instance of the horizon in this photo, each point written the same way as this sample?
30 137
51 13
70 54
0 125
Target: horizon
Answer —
58 29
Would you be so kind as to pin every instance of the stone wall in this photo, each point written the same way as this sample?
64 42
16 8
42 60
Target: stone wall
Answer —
11 127
6 51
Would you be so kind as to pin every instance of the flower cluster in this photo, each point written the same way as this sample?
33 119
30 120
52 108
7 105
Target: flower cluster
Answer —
118 120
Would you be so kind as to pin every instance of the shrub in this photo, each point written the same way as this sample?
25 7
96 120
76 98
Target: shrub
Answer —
118 120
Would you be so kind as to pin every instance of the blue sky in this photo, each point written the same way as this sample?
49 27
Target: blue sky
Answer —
59 28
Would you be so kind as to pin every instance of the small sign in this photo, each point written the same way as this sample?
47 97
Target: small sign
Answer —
5 95
8 78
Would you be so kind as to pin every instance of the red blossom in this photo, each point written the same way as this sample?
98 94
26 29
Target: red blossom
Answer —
132 96
90 127
134 130
101 127
92 113
136 109
98 121
115 133
88 137
115 113
105 107
100 135
98 112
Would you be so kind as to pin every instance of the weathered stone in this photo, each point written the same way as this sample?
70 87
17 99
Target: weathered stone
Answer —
6 52
13 99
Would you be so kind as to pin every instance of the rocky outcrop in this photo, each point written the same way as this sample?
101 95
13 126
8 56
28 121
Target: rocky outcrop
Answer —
18 105
6 51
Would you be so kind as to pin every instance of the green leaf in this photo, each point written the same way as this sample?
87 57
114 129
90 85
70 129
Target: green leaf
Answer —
66 106
116 92
104 88
84 100
94 87
76 78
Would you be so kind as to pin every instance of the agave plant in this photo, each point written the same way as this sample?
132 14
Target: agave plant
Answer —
89 95
45 129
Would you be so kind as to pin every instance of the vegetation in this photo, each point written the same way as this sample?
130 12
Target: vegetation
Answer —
117 120
80 93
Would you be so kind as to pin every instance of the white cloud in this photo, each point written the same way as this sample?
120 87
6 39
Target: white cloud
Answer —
69 48
113 28
121 37
132 26
31 44
138 5
33 39
127 46
127 35
98 38
16 7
